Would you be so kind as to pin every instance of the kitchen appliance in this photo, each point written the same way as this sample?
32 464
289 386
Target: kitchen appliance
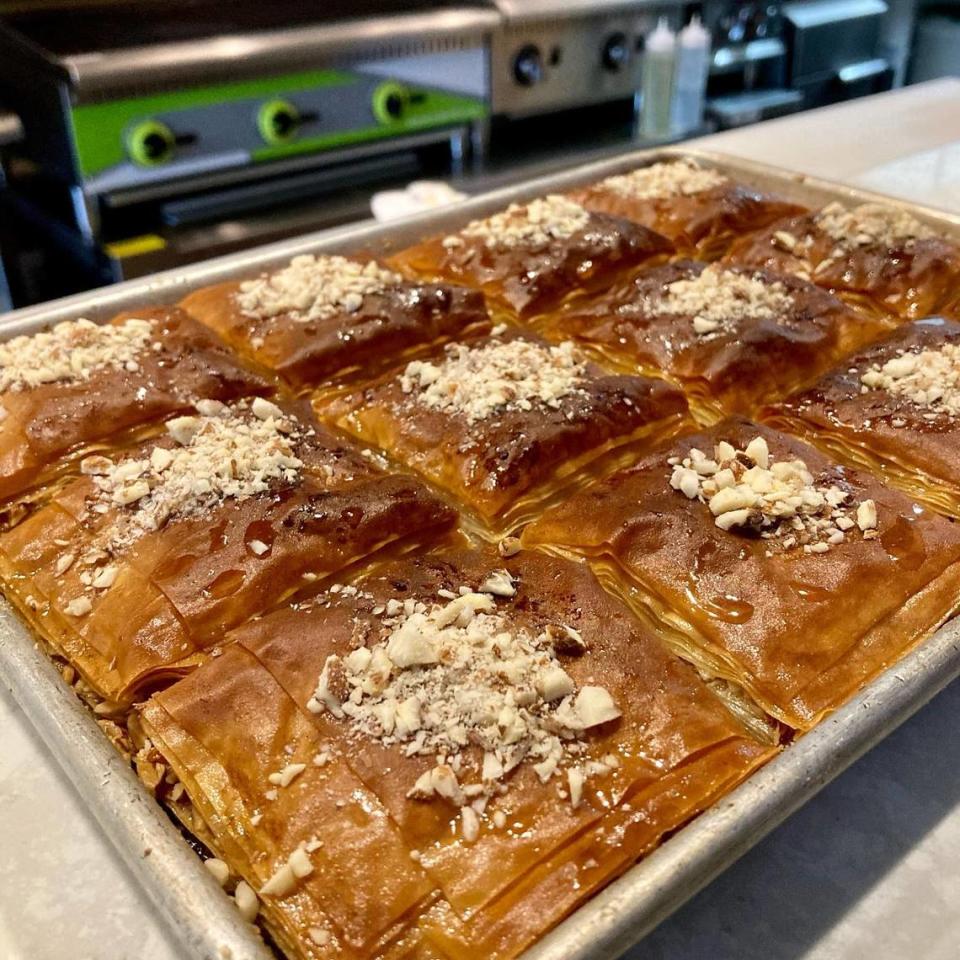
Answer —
162 130
835 49
551 55
748 66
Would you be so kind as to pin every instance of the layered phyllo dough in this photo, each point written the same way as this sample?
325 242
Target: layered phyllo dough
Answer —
766 564
329 317
80 385
731 337
443 758
136 567
893 408
534 256
700 209
508 423
877 257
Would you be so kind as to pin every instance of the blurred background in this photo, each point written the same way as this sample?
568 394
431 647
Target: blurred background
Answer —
137 135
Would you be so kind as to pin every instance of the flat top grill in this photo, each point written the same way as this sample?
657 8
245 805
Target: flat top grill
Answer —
85 27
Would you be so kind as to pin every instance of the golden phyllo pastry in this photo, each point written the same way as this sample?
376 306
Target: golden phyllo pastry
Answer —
508 423
491 739
767 565
731 337
135 568
700 209
81 385
534 256
323 317
877 257
893 408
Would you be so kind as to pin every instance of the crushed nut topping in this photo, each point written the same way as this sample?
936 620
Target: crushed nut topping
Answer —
222 452
314 288
495 377
776 499
459 672
871 224
929 379
717 299
72 351
533 225
661 180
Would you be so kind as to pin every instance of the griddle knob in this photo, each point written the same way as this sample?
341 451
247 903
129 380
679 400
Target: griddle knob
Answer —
616 52
528 66
150 143
278 122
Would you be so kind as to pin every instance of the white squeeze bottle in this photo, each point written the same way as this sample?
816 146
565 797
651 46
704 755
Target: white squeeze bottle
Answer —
657 80
693 64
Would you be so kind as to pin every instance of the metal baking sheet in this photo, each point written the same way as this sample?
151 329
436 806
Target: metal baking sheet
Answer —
205 921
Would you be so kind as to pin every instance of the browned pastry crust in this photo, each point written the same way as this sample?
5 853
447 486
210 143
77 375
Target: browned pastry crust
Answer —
522 281
747 361
390 325
913 446
702 224
173 591
229 725
505 467
905 281
47 428
799 631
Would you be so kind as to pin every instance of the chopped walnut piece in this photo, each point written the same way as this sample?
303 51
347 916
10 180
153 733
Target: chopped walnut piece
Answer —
778 500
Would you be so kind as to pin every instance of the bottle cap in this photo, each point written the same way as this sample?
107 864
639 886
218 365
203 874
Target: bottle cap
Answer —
662 40
694 34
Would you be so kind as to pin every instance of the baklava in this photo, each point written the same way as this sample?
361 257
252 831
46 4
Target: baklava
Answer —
532 257
328 317
877 257
508 423
731 337
66 390
894 409
136 567
483 741
765 564
698 208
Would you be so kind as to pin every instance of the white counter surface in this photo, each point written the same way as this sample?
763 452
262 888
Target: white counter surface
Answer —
870 868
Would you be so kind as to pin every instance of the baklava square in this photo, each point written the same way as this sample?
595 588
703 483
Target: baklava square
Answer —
532 257
698 208
508 423
135 568
767 565
527 736
329 317
894 409
80 386
877 257
731 337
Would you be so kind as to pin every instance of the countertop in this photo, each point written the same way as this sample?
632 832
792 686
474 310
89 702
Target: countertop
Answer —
871 867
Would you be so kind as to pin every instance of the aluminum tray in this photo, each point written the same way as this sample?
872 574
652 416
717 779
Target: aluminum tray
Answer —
205 921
